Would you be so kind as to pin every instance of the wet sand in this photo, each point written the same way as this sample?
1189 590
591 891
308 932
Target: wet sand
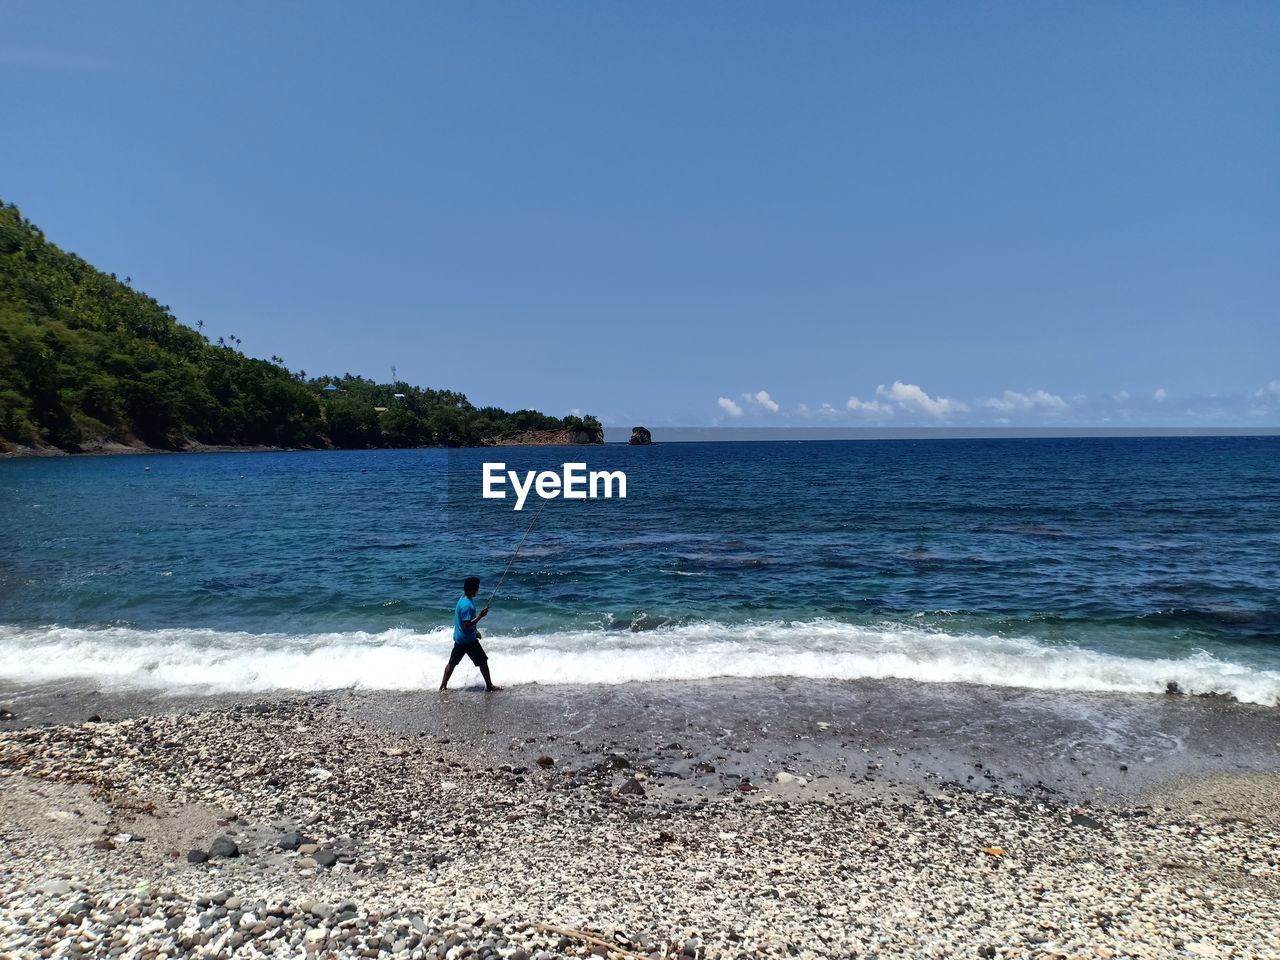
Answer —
835 735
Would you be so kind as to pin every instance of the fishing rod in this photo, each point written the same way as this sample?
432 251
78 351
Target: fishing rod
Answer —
519 546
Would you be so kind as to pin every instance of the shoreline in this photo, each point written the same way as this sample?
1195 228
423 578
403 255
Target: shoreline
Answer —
115 449
1091 747
108 448
480 822
112 449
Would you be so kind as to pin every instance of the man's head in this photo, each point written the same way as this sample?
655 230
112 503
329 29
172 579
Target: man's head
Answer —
471 586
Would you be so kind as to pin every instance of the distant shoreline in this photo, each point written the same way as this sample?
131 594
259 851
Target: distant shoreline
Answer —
696 435
127 450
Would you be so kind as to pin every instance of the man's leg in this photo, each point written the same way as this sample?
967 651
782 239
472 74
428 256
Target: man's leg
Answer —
455 657
481 660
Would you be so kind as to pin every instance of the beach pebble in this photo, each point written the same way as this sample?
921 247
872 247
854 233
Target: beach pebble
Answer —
290 841
321 911
475 873
1204 948
224 847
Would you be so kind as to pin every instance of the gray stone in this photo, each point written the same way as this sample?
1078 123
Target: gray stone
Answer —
225 847
291 841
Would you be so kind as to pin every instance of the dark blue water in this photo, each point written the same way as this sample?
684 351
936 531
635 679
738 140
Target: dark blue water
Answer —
1110 564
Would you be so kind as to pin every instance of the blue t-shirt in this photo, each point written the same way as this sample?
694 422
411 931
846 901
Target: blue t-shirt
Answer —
465 610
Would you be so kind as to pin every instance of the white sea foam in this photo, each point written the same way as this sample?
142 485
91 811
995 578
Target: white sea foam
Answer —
400 659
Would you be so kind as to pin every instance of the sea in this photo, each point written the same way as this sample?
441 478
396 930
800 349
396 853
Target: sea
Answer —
1064 564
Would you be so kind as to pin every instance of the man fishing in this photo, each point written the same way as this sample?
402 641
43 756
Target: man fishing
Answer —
466 638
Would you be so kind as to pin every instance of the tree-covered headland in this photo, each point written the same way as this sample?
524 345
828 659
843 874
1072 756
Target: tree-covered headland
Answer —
85 358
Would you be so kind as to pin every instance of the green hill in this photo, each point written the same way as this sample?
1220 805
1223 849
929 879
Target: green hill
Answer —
85 358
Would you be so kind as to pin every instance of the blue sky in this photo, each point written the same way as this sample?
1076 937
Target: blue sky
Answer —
837 214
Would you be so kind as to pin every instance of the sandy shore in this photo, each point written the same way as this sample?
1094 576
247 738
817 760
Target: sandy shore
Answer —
736 820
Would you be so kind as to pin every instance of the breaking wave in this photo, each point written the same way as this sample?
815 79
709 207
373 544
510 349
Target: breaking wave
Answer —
224 661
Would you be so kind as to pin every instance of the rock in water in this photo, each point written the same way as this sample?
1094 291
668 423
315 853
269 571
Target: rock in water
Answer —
1084 820
6 715
224 846
632 788
326 858
640 436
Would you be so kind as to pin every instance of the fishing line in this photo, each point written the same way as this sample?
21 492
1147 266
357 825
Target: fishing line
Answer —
517 552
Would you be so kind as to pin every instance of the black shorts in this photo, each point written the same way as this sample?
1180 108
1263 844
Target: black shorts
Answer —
471 649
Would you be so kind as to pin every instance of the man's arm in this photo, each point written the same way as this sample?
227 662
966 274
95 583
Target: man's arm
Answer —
468 624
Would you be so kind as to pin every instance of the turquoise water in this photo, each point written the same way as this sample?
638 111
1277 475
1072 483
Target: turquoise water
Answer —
1094 564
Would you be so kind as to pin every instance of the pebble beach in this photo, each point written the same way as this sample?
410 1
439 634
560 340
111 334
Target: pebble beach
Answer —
319 826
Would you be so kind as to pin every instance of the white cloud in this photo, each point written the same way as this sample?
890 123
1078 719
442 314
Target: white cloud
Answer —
1011 401
729 407
871 407
908 396
822 410
1122 396
1161 395
1272 389
762 398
